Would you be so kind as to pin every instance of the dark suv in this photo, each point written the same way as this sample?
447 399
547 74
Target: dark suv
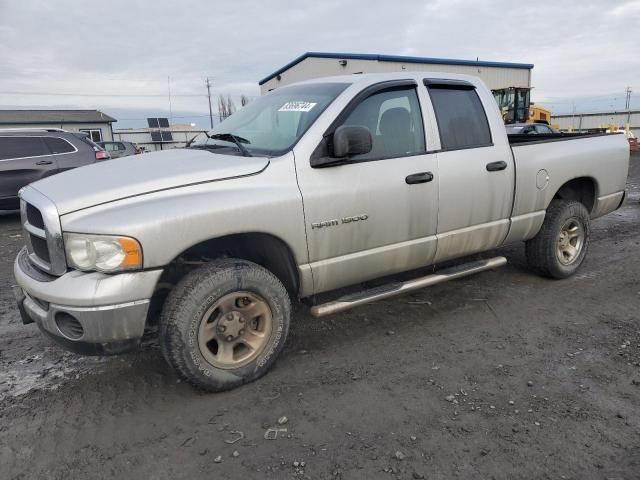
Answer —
27 155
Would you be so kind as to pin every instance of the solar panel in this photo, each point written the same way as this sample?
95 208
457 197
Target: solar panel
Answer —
153 122
167 137
156 137
163 122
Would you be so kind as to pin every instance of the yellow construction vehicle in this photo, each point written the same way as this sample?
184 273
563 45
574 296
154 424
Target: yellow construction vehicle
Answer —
516 106
538 114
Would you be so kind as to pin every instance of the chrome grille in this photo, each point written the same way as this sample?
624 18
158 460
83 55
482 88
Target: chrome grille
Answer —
34 216
43 235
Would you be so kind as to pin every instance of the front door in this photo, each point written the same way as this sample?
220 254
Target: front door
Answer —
376 213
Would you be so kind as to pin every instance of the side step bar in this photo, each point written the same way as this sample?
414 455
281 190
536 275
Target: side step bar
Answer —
398 288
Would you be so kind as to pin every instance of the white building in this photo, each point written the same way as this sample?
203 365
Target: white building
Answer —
97 124
321 64
588 121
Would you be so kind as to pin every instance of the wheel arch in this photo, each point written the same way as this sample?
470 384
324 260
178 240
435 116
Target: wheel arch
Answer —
264 249
581 189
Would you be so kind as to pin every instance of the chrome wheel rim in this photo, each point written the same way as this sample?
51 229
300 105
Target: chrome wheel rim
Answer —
570 241
235 330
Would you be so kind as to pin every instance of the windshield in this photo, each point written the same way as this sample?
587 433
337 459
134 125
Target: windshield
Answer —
504 98
272 124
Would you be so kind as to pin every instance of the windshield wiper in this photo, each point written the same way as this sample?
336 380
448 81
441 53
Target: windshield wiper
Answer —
230 137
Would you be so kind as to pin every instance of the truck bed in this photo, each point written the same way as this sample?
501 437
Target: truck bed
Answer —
519 138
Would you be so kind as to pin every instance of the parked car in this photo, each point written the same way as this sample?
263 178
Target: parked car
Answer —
312 187
27 155
530 129
120 148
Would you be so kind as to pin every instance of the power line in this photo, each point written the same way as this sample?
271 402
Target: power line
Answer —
60 94
154 95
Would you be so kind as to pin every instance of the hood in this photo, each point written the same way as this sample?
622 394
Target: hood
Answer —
136 175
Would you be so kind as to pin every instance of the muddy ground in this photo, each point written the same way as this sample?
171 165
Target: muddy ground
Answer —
501 375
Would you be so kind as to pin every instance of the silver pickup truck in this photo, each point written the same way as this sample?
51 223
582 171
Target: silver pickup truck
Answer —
313 187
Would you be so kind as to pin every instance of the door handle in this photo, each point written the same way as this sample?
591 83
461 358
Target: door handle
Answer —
44 162
422 177
496 166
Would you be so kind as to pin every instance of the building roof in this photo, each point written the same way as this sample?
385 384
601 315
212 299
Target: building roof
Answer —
26 117
394 58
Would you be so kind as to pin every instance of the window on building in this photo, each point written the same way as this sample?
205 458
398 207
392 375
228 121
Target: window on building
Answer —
21 147
395 121
461 118
95 134
58 145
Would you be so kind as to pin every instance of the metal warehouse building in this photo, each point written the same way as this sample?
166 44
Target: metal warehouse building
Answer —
93 122
321 64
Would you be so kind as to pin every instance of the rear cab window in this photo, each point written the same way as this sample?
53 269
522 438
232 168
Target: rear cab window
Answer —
460 115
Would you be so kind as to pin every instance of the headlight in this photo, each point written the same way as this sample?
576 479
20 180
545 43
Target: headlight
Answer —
104 253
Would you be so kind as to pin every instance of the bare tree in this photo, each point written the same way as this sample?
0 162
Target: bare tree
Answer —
226 107
231 107
222 108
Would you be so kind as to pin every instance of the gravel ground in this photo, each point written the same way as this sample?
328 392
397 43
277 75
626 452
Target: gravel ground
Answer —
501 375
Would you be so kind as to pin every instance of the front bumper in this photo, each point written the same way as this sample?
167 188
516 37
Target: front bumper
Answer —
90 313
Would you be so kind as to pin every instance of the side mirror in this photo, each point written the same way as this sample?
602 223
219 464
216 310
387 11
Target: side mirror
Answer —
351 140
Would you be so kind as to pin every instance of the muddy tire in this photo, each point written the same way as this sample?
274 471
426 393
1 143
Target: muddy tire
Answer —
559 248
224 324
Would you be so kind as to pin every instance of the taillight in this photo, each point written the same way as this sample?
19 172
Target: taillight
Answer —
101 155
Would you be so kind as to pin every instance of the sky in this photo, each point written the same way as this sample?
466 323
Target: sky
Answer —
122 57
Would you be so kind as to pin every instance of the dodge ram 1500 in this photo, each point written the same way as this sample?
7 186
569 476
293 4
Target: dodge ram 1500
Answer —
312 187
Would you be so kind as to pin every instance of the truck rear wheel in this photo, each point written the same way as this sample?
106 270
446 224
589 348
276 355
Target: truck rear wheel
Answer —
560 246
224 324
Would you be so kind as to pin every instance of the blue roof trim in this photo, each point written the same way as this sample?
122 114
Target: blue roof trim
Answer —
394 58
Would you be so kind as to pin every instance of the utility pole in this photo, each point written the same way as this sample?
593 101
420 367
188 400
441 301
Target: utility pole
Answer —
627 105
208 83
170 111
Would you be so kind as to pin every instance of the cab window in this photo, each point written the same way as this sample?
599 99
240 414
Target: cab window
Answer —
461 118
394 119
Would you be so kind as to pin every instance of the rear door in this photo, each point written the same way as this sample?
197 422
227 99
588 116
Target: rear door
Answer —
23 160
66 153
475 167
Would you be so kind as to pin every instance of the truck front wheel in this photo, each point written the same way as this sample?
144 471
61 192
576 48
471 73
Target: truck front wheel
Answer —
224 324
560 246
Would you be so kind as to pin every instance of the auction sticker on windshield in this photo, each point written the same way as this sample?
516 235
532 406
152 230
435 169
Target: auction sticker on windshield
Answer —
297 107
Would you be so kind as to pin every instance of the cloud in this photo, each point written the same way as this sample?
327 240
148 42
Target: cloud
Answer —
119 54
